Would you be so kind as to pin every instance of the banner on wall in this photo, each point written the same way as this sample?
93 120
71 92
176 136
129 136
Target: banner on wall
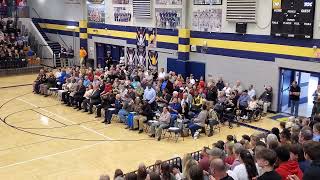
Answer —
122 14
169 2
153 60
207 2
152 37
96 11
141 47
120 1
168 18
21 3
95 1
207 20
131 57
72 2
141 57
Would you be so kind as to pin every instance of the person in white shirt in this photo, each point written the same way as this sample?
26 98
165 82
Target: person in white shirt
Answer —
248 169
227 89
164 121
162 74
192 81
251 91
238 87
150 95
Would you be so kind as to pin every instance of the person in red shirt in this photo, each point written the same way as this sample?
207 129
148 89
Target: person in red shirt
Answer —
204 162
286 166
231 156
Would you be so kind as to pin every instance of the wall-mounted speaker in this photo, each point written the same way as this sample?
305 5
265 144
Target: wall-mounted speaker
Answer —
241 28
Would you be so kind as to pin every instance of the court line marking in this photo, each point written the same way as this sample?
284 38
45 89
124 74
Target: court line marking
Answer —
72 122
51 155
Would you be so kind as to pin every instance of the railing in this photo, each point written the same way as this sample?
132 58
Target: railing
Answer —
65 44
175 161
38 16
196 155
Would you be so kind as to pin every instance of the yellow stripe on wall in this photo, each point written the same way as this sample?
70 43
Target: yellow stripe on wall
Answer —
255 47
83 24
83 35
131 35
184 48
168 39
113 33
184 33
58 27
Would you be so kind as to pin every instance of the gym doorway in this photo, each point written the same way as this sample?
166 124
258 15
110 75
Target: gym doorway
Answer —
308 82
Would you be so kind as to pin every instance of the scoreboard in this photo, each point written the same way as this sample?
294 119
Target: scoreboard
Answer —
293 18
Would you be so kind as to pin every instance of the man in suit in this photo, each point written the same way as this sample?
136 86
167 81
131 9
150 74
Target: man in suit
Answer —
93 100
78 96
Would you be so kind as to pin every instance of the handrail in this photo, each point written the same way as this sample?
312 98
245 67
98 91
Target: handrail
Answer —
38 15
66 45
174 161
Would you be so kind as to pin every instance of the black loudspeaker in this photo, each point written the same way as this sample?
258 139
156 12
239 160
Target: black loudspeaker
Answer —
241 28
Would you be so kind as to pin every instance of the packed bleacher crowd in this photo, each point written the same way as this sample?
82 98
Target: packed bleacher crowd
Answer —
156 101
14 47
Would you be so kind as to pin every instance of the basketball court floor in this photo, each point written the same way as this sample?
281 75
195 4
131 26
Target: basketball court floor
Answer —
41 139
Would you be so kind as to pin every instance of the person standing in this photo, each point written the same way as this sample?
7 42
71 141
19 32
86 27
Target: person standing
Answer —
82 55
294 98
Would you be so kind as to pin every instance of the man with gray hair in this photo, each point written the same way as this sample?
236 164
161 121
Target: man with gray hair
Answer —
305 135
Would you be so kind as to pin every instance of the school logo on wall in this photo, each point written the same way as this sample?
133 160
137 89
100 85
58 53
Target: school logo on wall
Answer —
153 60
130 59
276 4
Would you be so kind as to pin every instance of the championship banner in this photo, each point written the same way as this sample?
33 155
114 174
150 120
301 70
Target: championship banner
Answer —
21 3
141 57
141 47
169 2
168 18
152 37
131 57
122 14
96 11
207 20
120 2
276 4
95 1
153 60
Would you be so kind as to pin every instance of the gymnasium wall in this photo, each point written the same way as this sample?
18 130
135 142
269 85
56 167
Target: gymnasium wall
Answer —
255 58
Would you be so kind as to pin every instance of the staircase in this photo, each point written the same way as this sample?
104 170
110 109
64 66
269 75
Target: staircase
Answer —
55 46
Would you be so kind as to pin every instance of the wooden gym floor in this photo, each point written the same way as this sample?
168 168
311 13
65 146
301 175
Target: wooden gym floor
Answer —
42 139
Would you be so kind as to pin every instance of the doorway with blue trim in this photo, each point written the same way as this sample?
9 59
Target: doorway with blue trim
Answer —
105 52
308 82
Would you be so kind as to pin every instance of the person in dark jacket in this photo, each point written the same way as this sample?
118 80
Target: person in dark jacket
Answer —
78 97
212 94
220 84
265 99
94 99
312 152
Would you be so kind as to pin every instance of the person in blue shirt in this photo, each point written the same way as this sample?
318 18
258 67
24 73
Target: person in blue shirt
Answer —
243 103
174 108
86 81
